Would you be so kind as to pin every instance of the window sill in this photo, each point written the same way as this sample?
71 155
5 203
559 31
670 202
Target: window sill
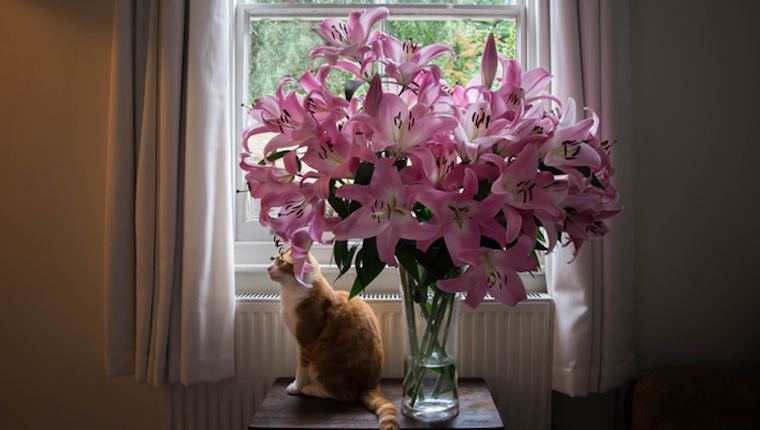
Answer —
253 278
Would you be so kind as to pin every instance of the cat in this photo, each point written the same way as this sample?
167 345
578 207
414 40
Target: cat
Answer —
341 353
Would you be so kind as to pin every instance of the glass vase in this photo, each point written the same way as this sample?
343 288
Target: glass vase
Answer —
431 322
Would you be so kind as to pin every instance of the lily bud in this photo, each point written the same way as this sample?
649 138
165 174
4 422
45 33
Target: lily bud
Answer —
489 62
374 96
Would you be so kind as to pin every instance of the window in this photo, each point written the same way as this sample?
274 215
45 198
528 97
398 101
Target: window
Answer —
272 40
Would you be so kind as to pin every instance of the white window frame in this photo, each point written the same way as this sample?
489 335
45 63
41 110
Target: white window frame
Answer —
253 243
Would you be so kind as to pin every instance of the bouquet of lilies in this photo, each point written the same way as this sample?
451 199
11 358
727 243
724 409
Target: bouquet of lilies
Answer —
411 170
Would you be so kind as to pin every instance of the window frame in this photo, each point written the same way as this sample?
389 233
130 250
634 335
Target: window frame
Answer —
253 242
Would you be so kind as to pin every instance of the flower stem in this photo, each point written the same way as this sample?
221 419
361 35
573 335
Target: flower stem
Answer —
435 317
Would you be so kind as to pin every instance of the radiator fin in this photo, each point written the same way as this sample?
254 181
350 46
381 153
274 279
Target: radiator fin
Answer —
509 347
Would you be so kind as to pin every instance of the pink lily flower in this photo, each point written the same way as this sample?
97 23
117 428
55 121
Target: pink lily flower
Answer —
404 61
460 219
566 147
257 176
286 211
431 90
494 271
587 208
283 114
289 206
464 97
300 244
393 125
320 102
335 157
518 87
602 148
477 131
386 212
349 40
524 187
589 224
430 164
526 127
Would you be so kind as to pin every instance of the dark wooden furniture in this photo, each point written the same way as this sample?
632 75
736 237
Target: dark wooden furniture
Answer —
692 397
282 411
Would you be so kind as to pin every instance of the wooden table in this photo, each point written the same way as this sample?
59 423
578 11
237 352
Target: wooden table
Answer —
282 411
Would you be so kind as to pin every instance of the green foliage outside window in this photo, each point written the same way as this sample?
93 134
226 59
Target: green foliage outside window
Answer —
280 48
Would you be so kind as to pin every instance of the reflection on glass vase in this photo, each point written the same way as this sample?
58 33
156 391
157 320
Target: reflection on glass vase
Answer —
431 319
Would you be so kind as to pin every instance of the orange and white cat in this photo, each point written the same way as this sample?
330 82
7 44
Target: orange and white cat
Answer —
339 341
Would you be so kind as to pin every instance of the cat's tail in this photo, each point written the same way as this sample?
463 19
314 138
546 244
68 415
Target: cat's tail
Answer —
386 412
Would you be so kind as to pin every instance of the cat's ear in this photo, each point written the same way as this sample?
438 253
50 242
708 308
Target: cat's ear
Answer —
311 260
287 257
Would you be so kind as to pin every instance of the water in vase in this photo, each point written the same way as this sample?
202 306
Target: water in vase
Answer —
431 391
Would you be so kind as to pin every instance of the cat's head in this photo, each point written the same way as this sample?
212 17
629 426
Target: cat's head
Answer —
281 270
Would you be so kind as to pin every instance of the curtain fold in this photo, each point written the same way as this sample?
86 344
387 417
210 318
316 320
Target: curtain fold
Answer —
585 45
169 310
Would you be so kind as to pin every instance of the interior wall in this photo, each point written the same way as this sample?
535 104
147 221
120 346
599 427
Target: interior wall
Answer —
697 200
696 103
54 90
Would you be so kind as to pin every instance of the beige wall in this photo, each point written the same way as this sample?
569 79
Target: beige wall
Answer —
54 77
697 190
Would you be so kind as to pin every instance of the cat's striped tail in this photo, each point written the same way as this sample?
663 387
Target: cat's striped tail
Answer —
386 412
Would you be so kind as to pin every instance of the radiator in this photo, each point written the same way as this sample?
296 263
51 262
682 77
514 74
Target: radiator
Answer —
509 347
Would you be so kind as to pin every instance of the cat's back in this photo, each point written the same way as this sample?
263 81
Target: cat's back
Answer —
358 314
353 319
349 355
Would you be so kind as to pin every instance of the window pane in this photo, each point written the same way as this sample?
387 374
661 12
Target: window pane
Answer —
465 38
279 49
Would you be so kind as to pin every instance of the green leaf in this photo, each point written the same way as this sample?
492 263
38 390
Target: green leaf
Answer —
534 254
585 170
448 376
448 388
364 173
339 205
276 155
350 256
367 275
351 86
484 189
429 309
407 261
489 243
553 170
436 260
340 251
595 182
422 213
368 266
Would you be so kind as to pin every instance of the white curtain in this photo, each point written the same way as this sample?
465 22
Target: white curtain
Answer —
169 294
585 45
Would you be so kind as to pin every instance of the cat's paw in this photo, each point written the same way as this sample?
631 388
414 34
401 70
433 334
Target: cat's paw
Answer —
293 389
